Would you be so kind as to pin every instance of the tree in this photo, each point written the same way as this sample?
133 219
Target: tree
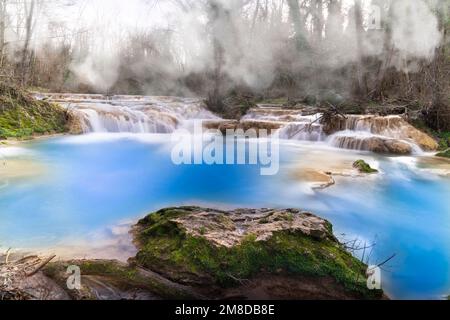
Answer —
29 25
299 25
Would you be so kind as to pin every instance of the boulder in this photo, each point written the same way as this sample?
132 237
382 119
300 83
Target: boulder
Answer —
394 127
372 143
250 254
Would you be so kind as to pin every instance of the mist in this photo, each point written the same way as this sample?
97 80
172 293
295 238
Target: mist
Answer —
186 47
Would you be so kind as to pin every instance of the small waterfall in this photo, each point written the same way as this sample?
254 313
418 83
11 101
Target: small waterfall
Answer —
302 131
133 114
144 114
390 134
91 121
123 119
294 126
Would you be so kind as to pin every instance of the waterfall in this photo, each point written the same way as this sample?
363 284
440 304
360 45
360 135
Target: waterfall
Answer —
123 119
389 134
133 114
303 128
145 114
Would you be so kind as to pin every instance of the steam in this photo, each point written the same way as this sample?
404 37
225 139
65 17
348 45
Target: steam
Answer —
415 29
161 42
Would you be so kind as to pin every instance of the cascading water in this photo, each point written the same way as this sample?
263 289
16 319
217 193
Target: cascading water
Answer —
294 126
389 134
303 128
144 114
107 118
133 114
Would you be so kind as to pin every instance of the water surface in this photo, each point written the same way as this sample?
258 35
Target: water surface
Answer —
94 186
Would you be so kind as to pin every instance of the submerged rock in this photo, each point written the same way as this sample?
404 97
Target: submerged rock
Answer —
315 178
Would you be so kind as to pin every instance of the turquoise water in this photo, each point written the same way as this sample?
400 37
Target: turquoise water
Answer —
93 183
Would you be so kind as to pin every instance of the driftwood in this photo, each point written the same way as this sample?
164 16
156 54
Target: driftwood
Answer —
331 112
16 275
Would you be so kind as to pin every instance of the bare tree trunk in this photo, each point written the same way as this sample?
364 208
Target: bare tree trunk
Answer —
335 21
299 26
2 30
29 13
359 29
318 20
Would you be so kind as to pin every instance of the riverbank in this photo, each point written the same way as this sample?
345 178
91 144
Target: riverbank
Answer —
201 253
24 117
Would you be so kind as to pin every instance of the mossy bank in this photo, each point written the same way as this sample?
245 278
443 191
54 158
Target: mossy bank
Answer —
22 116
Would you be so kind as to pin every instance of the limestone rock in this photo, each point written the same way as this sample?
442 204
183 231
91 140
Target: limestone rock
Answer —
230 229
374 143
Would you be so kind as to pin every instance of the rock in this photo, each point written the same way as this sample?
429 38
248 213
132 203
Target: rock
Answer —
394 127
230 229
363 167
200 253
224 125
396 147
114 280
250 253
317 179
74 122
423 140
372 143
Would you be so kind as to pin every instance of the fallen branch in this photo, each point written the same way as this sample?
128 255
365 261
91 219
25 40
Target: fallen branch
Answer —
40 266
8 253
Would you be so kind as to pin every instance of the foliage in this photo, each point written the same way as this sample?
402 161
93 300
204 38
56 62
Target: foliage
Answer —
444 154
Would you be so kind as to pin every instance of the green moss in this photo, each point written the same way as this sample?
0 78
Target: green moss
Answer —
280 101
444 140
164 245
445 154
22 116
442 137
363 167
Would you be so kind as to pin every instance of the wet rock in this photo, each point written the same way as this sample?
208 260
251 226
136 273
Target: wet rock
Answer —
317 179
373 143
394 127
74 122
224 125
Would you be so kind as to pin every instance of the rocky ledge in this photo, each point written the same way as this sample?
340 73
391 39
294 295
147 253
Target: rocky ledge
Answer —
199 253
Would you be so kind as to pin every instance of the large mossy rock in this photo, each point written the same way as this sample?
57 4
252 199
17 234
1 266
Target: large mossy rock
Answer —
22 116
278 253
